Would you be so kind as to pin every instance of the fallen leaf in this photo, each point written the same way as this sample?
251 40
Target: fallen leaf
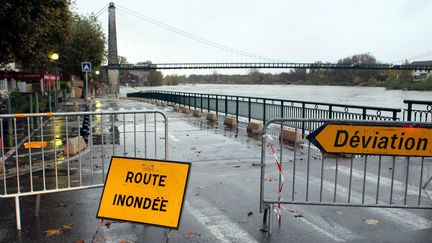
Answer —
371 221
122 241
68 226
296 213
107 224
210 223
244 222
61 205
52 232
79 241
269 178
250 213
191 234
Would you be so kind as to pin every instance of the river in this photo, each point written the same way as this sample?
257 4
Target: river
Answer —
349 95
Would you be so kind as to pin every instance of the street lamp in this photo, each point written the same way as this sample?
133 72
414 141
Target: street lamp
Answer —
97 74
54 58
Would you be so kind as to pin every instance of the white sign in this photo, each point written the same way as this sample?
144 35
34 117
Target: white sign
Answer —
86 67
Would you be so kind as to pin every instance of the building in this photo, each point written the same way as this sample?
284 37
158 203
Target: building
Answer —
421 75
27 82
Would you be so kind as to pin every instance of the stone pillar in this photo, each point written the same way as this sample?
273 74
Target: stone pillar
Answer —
113 71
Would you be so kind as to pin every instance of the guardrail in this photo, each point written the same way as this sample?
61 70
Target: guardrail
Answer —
265 109
418 110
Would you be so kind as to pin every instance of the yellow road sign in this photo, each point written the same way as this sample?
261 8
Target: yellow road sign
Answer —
380 140
144 191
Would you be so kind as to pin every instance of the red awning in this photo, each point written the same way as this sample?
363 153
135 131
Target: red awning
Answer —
23 76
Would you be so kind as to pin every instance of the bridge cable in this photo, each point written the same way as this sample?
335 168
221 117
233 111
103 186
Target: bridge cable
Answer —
98 13
420 56
194 37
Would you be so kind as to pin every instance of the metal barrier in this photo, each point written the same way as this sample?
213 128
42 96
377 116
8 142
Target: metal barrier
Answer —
418 110
265 109
298 173
57 152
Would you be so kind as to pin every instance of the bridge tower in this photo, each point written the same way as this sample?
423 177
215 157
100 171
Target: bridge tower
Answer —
113 61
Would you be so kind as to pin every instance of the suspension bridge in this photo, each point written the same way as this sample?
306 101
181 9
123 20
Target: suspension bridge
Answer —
114 65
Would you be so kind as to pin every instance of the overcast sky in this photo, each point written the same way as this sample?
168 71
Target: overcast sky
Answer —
285 30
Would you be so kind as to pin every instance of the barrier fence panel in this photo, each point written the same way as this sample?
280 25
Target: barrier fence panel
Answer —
56 152
295 171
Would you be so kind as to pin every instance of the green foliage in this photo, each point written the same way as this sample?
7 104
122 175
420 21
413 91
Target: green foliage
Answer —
155 78
409 85
86 42
19 102
43 104
65 86
173 79
30 29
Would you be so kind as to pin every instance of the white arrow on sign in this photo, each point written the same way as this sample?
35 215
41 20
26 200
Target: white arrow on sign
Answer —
86 66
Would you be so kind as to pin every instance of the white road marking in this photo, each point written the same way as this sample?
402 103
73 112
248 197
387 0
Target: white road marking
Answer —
219 225
173 138
336 229
322 231
400 216
384 181
331 230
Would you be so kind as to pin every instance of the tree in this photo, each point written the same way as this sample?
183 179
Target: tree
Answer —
122 60
86 42
31 29
155 78
355 77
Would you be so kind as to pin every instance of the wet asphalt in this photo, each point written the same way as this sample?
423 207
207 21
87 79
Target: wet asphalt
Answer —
222 200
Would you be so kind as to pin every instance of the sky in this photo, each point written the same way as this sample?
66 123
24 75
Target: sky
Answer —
268 30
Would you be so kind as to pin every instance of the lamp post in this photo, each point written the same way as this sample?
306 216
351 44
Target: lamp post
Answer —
54 58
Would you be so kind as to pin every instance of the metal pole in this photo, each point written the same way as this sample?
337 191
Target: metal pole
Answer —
37 102
87 86
18 213
49 100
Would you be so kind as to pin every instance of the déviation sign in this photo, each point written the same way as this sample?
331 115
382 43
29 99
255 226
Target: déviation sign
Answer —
371 139
144 191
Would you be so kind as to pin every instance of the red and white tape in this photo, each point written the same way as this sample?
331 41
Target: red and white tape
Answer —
278 207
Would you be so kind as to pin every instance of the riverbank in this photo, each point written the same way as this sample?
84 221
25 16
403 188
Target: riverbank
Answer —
348 95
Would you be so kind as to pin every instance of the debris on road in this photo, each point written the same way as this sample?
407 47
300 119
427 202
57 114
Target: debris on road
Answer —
52 232
371 221
269 178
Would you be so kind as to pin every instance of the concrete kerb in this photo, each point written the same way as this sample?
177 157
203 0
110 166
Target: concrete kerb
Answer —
176 108
197 113
211 116
186 110
255 127
230 121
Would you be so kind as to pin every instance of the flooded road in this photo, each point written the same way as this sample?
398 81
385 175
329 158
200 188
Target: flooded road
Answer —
222 200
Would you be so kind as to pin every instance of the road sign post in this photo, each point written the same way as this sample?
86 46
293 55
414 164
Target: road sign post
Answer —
86 68
373 139
144 191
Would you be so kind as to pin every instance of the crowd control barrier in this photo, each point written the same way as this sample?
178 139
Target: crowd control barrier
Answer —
383 164
57 152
